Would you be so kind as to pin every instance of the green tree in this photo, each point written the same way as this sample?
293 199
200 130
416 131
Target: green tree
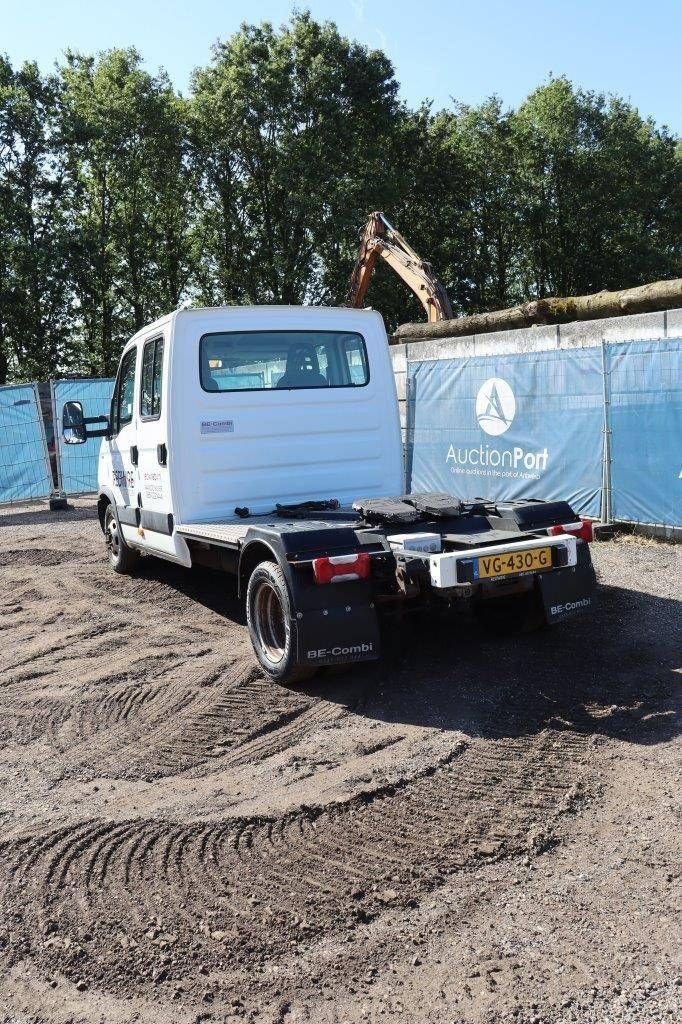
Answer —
293 133
600 192
481 244
130 193
34 294
119 199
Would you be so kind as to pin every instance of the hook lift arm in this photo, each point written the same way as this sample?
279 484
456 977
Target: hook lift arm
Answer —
379 238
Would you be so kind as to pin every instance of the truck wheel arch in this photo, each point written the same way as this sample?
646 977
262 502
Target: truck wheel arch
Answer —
102 502
250 556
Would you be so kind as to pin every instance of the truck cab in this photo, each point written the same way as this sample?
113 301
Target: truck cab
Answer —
215 409
265 441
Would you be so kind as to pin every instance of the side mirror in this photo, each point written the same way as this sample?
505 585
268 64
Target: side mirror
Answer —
74 430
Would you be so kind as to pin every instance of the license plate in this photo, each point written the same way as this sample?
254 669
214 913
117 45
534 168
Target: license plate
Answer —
533 560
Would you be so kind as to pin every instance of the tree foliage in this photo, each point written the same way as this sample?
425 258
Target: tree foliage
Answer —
291 130
120 199
34 259
130 200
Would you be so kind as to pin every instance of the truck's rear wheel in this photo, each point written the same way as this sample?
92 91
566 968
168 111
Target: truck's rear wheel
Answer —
268 613
121 558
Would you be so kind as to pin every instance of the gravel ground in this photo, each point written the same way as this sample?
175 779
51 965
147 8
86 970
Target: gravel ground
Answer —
476 829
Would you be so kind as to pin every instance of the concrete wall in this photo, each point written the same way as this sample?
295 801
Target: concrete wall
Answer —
582 334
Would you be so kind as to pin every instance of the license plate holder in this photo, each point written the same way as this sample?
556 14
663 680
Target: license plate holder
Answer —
512 563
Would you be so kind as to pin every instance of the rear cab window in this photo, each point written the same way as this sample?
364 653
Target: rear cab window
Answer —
150 382
282 360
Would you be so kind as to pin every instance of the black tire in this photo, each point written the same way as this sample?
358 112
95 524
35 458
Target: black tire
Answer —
122 558
269 616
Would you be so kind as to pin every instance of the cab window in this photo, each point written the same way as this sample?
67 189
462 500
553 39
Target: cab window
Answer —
284 360
124 392
150 383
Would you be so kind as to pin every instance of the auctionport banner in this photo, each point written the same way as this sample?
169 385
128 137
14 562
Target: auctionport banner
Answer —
506 427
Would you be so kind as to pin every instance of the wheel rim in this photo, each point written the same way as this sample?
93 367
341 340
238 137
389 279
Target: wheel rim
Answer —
269 622
113 540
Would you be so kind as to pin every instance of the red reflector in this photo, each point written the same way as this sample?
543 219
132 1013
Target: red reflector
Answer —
340 568
586 531
583 530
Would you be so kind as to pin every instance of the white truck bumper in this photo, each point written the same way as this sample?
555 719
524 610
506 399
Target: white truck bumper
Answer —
443 567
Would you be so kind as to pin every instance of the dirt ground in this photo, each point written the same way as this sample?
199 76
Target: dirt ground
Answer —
476 829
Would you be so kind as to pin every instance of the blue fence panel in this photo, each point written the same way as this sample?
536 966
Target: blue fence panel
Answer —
645 416
78 462
506 427
24 463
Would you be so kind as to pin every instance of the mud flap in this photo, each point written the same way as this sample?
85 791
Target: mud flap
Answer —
337 636
567 592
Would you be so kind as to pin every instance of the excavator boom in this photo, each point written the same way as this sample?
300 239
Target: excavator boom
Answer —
380 239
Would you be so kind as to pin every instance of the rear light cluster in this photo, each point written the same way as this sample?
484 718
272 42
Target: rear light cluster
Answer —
342 568
582 529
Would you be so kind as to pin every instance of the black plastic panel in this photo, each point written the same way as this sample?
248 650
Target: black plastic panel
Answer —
386 510
535 515
157 522
433 503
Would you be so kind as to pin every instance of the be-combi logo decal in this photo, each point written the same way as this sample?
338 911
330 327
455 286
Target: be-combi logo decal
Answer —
495 406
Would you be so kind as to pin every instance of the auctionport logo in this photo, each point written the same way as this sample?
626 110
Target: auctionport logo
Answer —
495 412
495 406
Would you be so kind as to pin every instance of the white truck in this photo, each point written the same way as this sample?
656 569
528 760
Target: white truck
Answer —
265 442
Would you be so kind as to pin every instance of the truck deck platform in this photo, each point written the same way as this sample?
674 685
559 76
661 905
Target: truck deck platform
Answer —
231 532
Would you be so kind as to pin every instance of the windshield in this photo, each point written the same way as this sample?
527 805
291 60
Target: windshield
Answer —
267 360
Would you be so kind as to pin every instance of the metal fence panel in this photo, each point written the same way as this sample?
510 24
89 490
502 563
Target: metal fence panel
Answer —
645 418
24 461
507 427
78 462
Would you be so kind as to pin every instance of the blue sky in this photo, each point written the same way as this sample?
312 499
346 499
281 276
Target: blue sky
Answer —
463 48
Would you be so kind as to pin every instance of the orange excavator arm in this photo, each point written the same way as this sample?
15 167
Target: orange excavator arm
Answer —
379 239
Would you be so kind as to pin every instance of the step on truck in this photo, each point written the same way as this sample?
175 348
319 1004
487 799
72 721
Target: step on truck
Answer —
265 442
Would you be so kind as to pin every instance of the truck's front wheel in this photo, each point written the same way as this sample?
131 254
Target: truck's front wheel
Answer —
121 558
269 616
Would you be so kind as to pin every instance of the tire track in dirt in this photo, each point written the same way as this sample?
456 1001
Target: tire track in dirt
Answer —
151 680
96 702
154 723
165 727
269 742
246 885
43 557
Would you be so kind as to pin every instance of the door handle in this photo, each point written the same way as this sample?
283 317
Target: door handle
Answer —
162 454
133 454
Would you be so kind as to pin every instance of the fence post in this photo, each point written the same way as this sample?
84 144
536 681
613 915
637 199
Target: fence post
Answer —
409 428
57 439
605 511
58 502
46 452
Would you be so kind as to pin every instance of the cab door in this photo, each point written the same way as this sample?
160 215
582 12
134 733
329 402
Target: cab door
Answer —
156 523
122 443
